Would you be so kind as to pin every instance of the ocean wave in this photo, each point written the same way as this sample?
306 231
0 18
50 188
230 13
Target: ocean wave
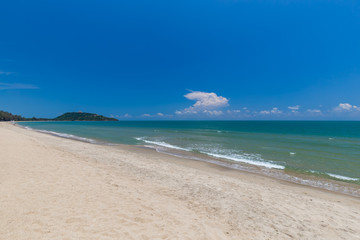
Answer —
343 177
162 144
340 177
237 158
232 157
64 135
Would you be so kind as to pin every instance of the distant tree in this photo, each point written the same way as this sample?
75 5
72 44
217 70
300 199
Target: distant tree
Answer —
81 116
70 116
6 116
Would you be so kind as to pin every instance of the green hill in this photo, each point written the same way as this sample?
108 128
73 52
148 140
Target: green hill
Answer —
80 116
70 116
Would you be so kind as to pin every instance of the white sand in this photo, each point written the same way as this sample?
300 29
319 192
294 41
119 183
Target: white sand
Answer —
54 188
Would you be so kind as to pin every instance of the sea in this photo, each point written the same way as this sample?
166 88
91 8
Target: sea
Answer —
323 154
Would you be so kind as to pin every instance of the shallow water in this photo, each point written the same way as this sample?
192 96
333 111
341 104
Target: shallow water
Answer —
329 150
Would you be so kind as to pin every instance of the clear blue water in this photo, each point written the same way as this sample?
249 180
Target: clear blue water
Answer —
329 149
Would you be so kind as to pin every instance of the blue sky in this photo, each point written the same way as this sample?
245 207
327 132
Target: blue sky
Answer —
184 59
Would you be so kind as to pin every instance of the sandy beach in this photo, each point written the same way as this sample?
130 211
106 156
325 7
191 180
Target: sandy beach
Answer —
56 188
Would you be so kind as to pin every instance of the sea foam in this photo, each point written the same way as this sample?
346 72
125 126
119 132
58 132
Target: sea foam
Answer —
336 176
162 144
343 177
235 158
64 135
244 160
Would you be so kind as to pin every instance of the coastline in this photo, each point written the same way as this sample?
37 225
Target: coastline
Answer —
60 188
327 181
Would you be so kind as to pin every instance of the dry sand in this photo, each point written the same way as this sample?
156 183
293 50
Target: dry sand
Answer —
55 188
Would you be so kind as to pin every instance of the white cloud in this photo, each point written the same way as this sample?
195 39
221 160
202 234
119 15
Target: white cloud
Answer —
205 103
207 100
5 86
264 112
294 109
314 110
233 111
275 110
346 107
160 114
213 112
126 115
189 110
246 109
146 115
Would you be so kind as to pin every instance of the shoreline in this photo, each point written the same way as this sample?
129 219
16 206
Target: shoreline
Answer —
57 188
319 182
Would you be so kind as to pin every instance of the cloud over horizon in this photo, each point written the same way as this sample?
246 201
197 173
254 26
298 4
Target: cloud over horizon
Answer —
314 111
206 103
294 109
275 110
346 107
209 105
207 100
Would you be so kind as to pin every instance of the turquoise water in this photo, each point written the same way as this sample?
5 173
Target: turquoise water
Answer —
328 149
